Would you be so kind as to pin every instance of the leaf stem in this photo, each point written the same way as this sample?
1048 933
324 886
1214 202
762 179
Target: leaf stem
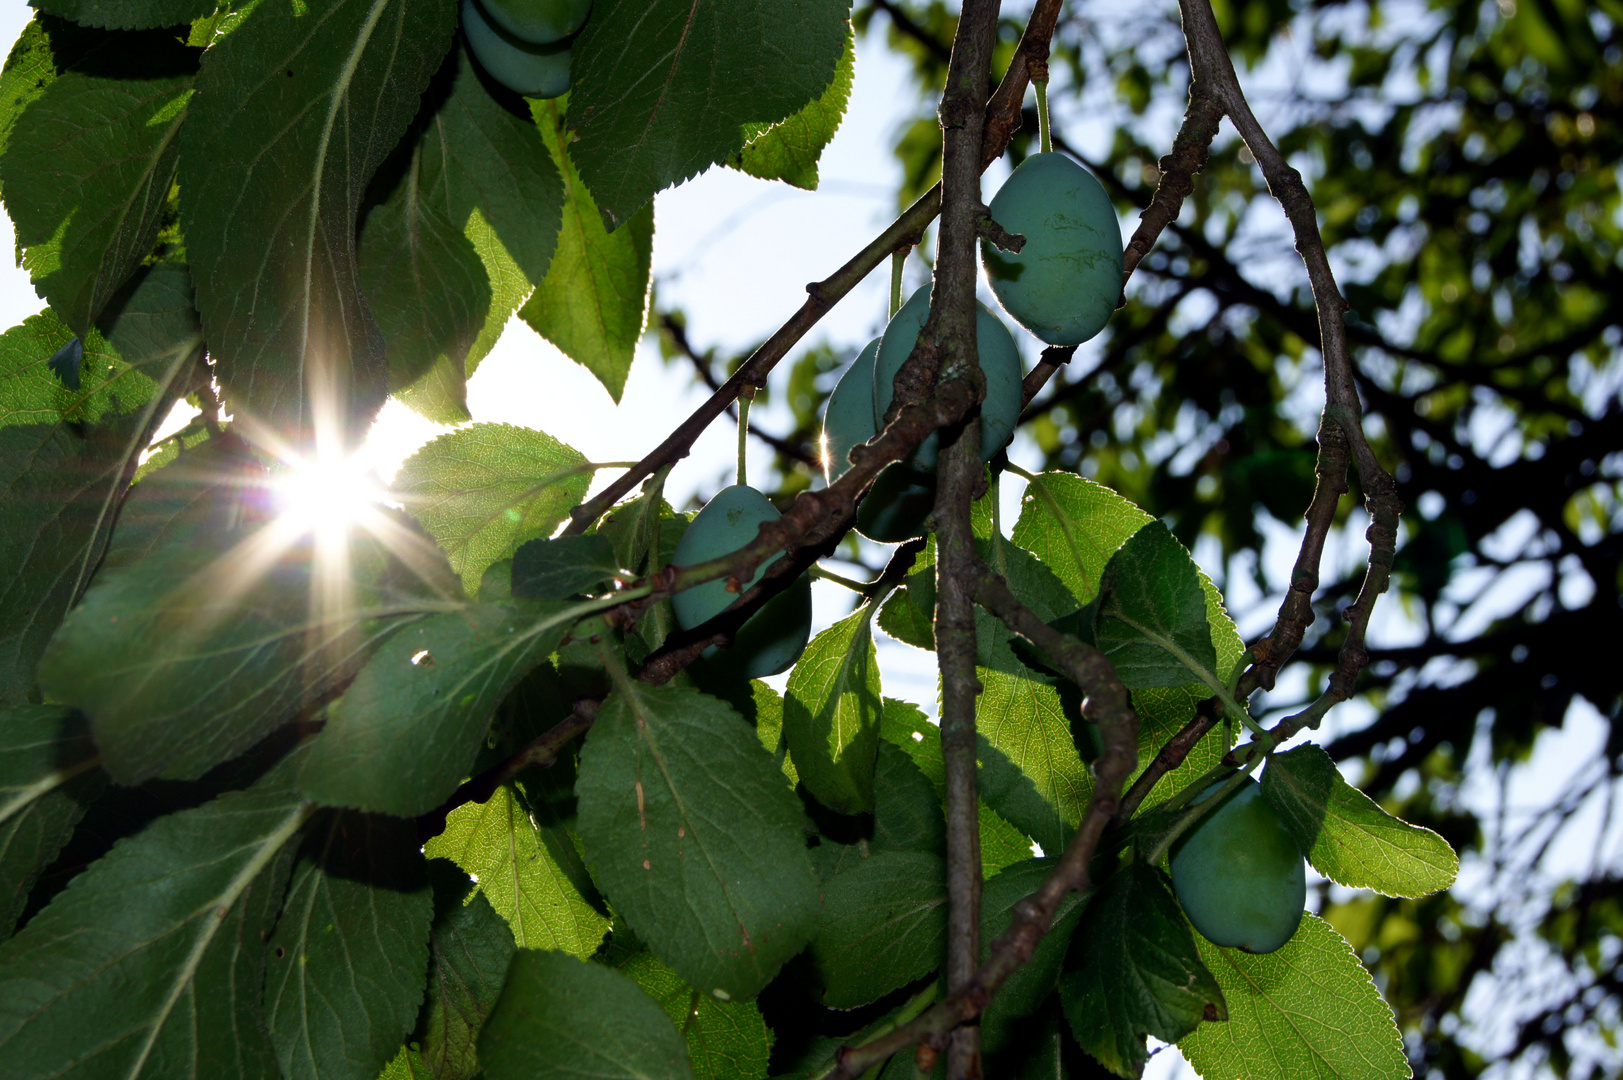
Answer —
1045 139
897 261
743 435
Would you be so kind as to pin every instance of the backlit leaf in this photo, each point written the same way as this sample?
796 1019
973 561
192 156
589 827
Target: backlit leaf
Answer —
296 108
485 489
1151 618
593 302
789 150
1346 836
469 950
831 714
128 14
1308 1010
511 859
727 1040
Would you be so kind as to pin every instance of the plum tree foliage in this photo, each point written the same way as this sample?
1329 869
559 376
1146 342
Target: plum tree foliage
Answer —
483 779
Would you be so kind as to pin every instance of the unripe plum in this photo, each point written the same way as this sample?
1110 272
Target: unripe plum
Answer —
774 637
901 498
1239 875
537 71
999 360
1065 281
537 22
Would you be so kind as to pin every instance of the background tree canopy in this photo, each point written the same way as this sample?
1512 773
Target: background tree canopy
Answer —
1464 159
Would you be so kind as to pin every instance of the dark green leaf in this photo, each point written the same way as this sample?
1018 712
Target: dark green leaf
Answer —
561 1019
1309 1009
65 456
520 867
201 491
469 949
147 964
87 174
484 490
563 567
1346 836
1138 972
902 620
345 974
727 1040
788 151
831 714
907 811
295 111
481 155
884 924
664 89
1074 526
428 290
1025 990
405 733
195 653
1151 618
45 752
693 833
127 14
593 302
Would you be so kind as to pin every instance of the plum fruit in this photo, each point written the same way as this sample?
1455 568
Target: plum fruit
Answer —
537 22
774 637
902 497
1239 875
537 71
1065 281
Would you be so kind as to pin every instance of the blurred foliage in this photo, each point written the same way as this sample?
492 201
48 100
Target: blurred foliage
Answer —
1464 159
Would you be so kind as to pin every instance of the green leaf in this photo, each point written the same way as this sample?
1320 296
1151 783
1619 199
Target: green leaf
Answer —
508 288
789 150
273 167
186 500
907 811
147 964
902 620
482 155
727 1040
559 568
593 302
345 974
1074 526
1030 770
469 949
831 714
103 145
127 14
1309 1010
405 733
1151 617
428 290
514 860
1346 836
190 656
696 838
562 1019
903 724
484 490
1138 972
664 88
45 756
1032 983
66 456
884 924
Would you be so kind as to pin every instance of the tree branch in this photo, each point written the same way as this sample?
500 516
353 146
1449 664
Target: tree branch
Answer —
1108 704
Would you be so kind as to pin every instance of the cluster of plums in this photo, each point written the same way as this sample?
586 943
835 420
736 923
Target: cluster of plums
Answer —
1062 287
524 44
1239 875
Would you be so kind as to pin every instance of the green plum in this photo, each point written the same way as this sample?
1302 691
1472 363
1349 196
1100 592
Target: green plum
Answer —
774 637
1239 875
999 360
901 498
1065 282
848 419
537 22
537 71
